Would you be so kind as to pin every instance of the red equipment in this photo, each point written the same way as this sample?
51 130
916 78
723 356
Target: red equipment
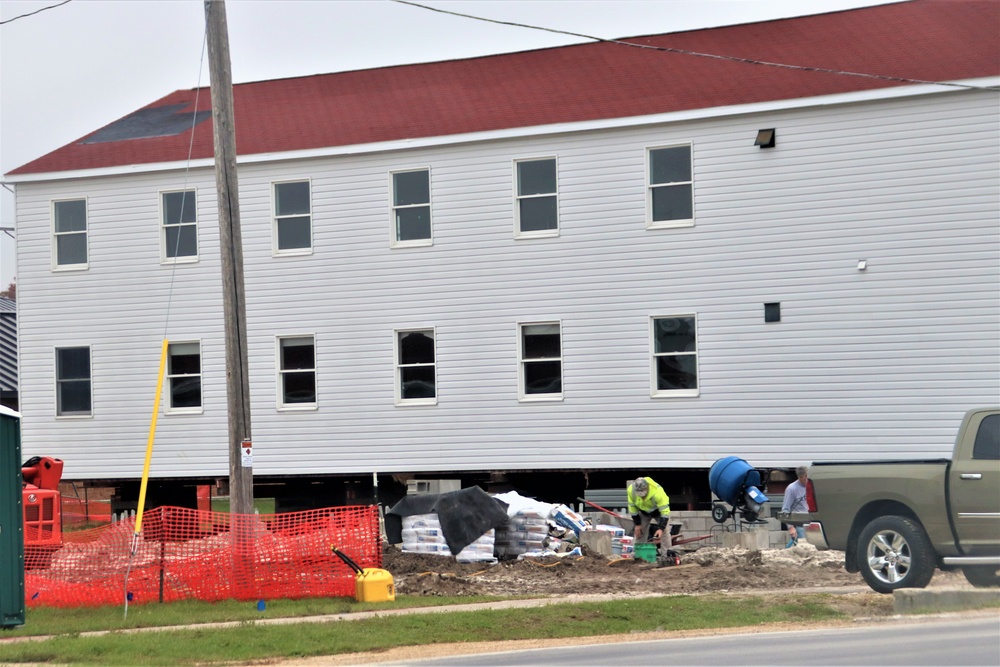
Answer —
42 510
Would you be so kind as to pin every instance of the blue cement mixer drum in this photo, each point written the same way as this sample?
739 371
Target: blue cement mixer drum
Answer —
731 477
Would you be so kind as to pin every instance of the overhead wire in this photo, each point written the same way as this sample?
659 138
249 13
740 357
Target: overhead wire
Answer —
37 11
699 54
166 323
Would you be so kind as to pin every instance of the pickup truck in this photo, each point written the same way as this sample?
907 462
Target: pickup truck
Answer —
898 521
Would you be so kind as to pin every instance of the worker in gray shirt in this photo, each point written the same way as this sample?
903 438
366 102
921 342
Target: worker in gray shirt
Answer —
795 501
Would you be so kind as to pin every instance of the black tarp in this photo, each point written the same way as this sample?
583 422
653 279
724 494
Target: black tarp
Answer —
465 515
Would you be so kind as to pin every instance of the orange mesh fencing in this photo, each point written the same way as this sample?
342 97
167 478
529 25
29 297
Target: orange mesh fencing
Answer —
78 512
187 554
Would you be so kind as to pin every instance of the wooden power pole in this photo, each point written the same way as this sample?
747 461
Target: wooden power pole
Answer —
231 242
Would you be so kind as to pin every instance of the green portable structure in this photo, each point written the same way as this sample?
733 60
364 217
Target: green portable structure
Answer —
11 521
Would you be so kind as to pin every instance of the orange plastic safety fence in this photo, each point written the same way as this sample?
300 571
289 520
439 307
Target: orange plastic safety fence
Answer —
78 512
187 554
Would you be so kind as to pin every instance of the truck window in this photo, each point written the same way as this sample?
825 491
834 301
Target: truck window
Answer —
988 439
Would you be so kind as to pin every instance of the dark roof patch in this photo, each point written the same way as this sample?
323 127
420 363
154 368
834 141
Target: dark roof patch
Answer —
163 121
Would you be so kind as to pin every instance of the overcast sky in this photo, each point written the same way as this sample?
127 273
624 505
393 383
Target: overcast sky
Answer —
68 70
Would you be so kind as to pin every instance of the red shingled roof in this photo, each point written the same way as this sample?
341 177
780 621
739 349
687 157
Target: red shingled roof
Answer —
931 40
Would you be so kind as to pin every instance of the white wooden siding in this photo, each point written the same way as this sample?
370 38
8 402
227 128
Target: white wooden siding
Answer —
873 364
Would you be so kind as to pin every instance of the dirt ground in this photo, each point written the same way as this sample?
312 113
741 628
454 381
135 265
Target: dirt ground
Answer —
706 570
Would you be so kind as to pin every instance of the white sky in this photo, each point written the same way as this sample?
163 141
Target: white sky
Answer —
69 70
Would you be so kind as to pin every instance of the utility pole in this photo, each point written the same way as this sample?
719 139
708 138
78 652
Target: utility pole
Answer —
231 242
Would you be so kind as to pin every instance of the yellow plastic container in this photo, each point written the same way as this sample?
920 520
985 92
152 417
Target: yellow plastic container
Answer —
646 552
374 585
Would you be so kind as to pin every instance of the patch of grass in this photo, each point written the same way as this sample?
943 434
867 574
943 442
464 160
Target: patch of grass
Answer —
256 642
53 621
262 505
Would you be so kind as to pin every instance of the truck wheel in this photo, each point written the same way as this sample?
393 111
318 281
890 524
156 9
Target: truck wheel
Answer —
982 576
894 552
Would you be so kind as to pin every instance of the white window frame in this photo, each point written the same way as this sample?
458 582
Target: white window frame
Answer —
165 258
280 373
56 266
398 374
57 381
650 187
394 241
654 391
541 233
168 406
522 395
276 220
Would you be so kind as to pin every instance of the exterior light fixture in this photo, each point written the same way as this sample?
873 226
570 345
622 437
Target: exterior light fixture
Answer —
765 138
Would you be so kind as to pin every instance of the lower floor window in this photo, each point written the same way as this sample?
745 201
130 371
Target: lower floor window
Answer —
73 386
415 367
540 363
675 356
184 376
297 371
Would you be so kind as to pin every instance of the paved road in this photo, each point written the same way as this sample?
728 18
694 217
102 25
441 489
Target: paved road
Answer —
964 641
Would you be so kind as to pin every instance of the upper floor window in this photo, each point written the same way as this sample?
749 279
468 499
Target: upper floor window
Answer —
411 207
675 355
69 237
669 195
184 377
296 372
180 225
292 230
537 210
540 360
73 387
415 368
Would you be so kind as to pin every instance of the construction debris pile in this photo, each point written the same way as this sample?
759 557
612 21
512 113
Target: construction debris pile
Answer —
476 527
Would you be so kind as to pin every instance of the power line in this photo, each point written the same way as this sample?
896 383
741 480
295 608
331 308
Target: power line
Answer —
37 11
668 49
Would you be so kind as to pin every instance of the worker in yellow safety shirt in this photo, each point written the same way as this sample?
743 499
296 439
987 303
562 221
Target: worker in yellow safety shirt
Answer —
649 506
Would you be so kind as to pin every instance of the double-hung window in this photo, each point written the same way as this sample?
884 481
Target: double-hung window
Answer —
292 232
69 234
674 341
540 361
537 212
184 377
73 386
180 225
296 372
411 208
416 382
669 193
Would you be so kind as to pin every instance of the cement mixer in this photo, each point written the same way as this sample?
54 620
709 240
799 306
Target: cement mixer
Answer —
736 482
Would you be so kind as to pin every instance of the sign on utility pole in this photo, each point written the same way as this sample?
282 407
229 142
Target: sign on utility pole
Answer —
231 242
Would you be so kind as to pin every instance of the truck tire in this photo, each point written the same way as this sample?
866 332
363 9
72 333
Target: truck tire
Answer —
894 552
982 576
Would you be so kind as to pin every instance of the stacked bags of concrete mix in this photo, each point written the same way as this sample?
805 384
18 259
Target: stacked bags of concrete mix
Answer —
537 529
422 534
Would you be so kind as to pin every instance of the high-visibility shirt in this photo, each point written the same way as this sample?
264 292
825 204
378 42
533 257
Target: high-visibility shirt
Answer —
656 501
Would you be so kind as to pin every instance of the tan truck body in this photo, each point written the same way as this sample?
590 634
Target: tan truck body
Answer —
896 519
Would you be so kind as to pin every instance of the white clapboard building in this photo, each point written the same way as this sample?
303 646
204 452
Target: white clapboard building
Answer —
778 240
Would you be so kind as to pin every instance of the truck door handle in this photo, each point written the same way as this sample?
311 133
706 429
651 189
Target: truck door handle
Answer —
971 475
